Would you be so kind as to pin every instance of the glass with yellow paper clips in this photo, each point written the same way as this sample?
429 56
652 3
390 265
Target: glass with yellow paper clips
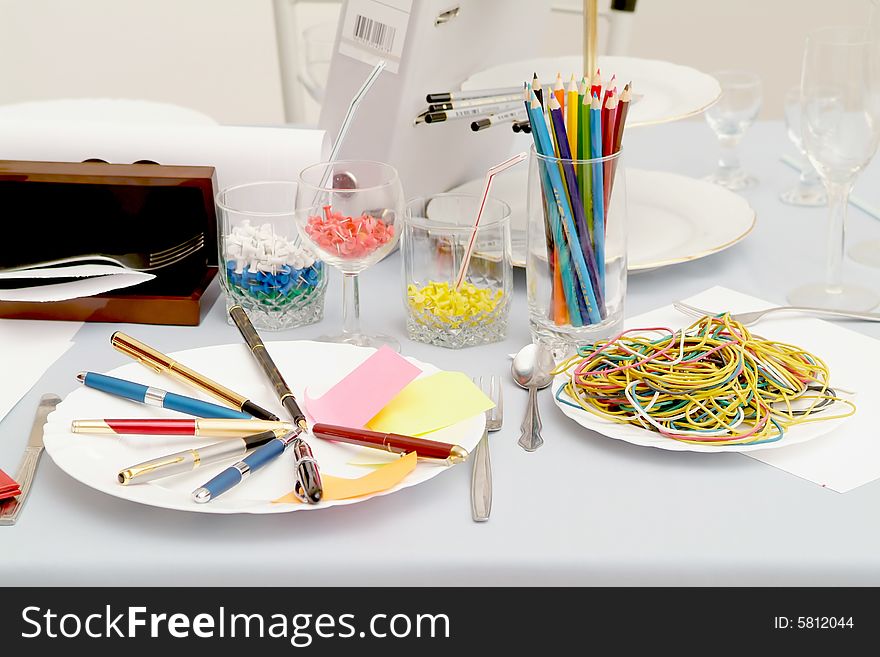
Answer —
436 234
713 384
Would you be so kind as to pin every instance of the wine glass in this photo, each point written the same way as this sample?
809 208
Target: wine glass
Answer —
809 190
730 117
346 212
840 98
868 253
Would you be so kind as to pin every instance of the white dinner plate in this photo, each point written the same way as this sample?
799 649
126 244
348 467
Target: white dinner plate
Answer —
637 436
663 91
95 460
671 218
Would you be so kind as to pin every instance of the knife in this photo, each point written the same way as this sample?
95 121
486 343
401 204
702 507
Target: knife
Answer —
9 509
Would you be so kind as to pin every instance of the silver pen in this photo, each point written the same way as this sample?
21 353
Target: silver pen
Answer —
190 459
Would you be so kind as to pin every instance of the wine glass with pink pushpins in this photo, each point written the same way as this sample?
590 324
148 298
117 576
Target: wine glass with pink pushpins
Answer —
346 212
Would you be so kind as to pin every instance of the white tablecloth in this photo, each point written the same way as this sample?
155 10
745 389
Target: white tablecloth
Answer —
581 510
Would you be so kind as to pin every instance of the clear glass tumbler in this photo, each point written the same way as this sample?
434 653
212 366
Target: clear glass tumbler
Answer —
436 233
263 268
576 262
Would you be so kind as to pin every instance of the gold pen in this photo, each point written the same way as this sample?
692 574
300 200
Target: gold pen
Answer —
159 362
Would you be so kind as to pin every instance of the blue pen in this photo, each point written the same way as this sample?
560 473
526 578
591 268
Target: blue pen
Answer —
156 397
306 489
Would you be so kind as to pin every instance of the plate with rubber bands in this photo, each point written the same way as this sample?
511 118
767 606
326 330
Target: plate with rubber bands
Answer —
712 386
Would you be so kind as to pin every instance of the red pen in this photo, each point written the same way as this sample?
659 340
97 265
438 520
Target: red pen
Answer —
215 428
391 442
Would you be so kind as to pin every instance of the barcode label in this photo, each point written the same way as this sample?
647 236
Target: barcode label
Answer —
374 30
379 35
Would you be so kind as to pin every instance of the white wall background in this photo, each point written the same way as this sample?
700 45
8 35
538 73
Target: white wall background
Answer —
220 56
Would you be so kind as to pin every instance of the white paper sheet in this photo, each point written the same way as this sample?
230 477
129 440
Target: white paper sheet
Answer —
845 458
95 279
28 348
239 154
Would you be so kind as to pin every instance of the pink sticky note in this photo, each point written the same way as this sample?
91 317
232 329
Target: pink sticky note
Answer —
364 392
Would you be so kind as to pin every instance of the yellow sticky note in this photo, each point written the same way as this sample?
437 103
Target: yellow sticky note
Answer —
431 403
383 478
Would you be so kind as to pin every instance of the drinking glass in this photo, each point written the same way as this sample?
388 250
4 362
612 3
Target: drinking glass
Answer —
809 190
436 234
559 316
346 212
730 117
840 97
278 282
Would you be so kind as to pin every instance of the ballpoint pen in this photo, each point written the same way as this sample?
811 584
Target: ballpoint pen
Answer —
159 362
190 459
237 472
309 479
392 442
157 397
207 427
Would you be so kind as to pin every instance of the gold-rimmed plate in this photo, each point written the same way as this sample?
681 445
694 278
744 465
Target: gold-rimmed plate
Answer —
663 91
671 218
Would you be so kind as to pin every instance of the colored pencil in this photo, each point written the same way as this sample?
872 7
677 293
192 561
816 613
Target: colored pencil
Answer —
538 91
558 309
559 91
574 196
598 185
564 231
584 153
596 83
609 116
571 117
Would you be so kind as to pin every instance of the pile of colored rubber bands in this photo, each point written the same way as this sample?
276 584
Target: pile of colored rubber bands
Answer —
713 383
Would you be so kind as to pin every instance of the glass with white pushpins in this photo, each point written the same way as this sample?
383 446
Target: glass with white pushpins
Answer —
347 212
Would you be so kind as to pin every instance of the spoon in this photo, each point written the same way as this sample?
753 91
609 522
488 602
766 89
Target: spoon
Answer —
531 370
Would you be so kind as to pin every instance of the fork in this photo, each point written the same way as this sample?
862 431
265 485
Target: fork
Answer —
748 319
134 261
481 472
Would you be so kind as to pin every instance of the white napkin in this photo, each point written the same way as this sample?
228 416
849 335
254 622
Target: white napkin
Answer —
27 349
240 154
844 458
92 280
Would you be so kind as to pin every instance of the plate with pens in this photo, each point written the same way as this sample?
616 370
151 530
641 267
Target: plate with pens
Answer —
98 461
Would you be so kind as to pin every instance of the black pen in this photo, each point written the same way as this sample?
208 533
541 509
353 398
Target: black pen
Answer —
308 488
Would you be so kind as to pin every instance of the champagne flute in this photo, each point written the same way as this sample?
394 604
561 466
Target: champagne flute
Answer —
868 253
809 190
840 99
730 117
346 212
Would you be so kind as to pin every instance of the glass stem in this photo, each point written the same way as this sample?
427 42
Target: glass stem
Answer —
351 305
838 199
728 160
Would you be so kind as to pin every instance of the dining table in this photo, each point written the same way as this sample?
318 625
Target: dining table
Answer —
581 510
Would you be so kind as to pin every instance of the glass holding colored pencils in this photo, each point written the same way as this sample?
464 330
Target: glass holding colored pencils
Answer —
576 263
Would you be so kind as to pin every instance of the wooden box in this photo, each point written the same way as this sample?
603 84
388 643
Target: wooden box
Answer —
53 210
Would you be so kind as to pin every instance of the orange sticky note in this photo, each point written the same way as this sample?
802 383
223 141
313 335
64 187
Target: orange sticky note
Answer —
383 478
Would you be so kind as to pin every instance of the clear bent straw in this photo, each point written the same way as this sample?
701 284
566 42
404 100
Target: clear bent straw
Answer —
491 173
